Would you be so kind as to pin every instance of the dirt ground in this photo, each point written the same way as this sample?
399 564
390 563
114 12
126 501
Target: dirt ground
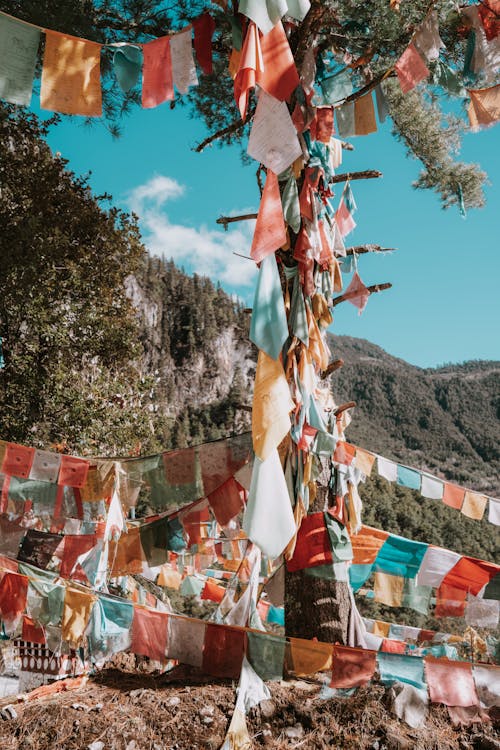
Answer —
183 710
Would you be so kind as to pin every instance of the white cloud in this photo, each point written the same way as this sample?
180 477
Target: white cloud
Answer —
208 252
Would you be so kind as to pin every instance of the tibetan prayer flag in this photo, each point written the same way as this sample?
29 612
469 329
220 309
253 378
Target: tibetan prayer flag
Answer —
450 682
73 471
471 575
494 511
223 651
322 127
352 667
390 646
251 65
226 501
18 460
489 13
416 597
431 488
18 53
127 62
11 534
344 214
290 204
185 640
305 658
357 293
183 67
109 627
395 668
76 614
268 519
346 120
487 682
194 522
344 453
267 14
38 547
410 69
212 591
31 632
427 39
336 88
149 633
484 107
453 495
204 27
157 82
387 469
450 601
13 596
272 404
436 563
313 546
492 590
366 545
388 589
45 466
266 654
71 76
358 575
400 557
279 75
382 108
268 326
270 230
126 555
408 477
74 546
474 505
364 115
364 461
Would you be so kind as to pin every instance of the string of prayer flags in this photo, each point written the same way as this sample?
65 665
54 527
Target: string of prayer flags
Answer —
410 69
270 231
71 76
18 54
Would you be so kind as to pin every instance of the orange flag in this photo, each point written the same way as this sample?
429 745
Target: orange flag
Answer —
157 82
270 230
364 115
71 76
279 76
271 406
484 107
251 64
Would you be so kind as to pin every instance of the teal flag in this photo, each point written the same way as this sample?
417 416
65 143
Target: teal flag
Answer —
291 205
109 626
18 51
268 328
127 62
400 668
336 88
266 654
45 597
416 597
400 557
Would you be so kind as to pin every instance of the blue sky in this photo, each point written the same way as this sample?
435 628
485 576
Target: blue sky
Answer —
444 305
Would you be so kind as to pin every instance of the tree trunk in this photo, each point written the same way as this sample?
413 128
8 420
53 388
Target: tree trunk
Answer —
316 608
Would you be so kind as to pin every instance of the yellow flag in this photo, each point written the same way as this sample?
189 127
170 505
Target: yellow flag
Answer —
71 76
271 406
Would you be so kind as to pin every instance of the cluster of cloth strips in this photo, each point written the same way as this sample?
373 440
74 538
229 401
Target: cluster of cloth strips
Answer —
261 55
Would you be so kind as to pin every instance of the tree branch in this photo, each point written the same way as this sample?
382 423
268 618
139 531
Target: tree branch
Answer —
371 289
335 365
233 127
225 220
367 174
368 248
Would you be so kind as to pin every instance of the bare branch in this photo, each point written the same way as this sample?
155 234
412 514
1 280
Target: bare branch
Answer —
371 289
368 248
332 367
367 174
233 127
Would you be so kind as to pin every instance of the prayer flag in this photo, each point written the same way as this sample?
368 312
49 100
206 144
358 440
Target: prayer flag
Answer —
270 231
157 82
223 651
410 69
352 667
474 505
204 27
17 460
71 76
183 67
251 65
344 214
279 75
436 563
453 495
273 139
484 107
313 545
185 640
309 657
76 614
73 471
450 682
272 404
127 62
408 477
388 589
18 52
357 293
268 326
431 488
149 633
364 115
13 596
